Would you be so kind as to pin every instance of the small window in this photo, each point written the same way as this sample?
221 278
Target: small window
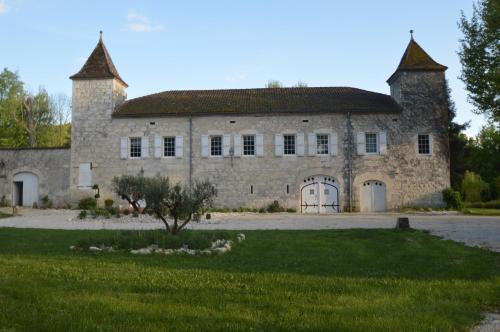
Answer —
311 191
371 143
248 145
251 189
424 146
216 145
135 147
287 188
322 144
289 144
169 146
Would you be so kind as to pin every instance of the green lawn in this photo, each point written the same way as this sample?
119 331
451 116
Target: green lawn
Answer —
482 212
338 280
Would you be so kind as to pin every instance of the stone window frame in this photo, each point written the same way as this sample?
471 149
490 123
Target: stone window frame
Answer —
327 143
253 148
164 147
135 151
211 147
285 135
429 144
377 142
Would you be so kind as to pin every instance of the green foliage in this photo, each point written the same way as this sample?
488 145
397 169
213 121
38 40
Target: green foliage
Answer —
135 214
274 84
482 212
87 203
291 210
3 201
473 187
99 212
480 57
82 214
452 199
47 202
177 201
275 207
276 276
108 202
300 84
130 188
495 204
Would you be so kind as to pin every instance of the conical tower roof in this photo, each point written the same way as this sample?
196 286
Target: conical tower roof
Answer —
416 59
98 65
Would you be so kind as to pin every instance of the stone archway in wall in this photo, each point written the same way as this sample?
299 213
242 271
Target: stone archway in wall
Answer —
372 192
27 186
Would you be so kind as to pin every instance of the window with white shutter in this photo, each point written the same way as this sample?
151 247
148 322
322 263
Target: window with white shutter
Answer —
123 147
334 150
311 143
179 146
382 142
204 145
226 145
237 145
85 175
300 144
259 144
278 144
135 147
361 143
157 146
145 147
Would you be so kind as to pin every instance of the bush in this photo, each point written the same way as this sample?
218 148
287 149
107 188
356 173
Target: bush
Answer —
495 204
135 214
473 187
452 199
98 212
46 202
126 212
108 202
3 201
262 210
275 207
87 203
291 210
82 214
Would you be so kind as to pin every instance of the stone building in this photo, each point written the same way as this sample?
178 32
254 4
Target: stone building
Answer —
318 150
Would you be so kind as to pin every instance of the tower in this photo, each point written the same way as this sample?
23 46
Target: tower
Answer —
97 90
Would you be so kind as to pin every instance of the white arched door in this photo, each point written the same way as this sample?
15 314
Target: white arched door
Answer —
319 194
373 196
25 189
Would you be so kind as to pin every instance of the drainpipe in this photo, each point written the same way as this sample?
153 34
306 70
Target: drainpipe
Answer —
349 158
190 152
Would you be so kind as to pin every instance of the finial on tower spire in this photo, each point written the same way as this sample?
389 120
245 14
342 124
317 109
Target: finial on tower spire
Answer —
100 35
411 34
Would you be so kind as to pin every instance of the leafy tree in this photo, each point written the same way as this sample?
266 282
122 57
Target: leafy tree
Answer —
130 188
11 106
300 84
473 187
274 84
37 112
480 57
177 202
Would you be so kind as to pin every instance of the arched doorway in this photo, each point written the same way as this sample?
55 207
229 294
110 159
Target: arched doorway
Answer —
319 194
373 196
25 189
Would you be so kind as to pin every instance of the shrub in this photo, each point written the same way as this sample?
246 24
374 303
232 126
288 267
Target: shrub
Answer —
87 203
126 212
82 214
291 210
3 201
452 199
275 207
495 204
108 202
130 188
473 187
135 214
47 202
262 210
111 209
98 212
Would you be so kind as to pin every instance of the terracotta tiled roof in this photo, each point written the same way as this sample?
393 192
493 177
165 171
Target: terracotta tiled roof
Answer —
415 58
251 101
98 65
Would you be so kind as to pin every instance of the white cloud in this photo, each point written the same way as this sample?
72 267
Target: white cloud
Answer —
3 7
236 78
139 22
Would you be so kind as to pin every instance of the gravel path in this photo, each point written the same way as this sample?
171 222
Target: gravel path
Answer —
471 230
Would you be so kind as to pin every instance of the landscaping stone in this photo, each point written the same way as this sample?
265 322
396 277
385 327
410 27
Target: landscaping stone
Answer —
94 249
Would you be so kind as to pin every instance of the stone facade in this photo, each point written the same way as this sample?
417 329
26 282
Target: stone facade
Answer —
51 166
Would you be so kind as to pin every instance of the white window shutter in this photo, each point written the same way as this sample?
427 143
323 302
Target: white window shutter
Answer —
145 147
334 149
383 142
179 143
278 144
237 145
431 144
204 145
85 175
361 143
260 144
157 146
226 144
123 148
300 144
311 142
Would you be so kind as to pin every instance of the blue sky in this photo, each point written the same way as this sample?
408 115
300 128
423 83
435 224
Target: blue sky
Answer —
175 45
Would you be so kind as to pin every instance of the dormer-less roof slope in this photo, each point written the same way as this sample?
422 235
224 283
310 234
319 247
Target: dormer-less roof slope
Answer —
416 59
98 65
258 101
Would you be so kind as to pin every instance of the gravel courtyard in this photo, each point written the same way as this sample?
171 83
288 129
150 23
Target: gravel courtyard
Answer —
471 230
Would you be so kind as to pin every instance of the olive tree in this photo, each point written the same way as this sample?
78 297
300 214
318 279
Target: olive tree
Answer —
177 202
130 188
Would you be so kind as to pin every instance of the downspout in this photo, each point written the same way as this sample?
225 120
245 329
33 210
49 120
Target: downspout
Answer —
190 152
349 158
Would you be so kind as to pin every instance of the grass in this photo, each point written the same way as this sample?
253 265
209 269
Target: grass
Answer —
482 212
4 215
343 280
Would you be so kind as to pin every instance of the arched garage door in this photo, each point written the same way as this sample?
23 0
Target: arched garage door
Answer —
25 189
373 196
319 194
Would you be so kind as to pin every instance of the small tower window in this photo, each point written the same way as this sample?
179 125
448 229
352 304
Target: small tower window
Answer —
251 189
287 188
